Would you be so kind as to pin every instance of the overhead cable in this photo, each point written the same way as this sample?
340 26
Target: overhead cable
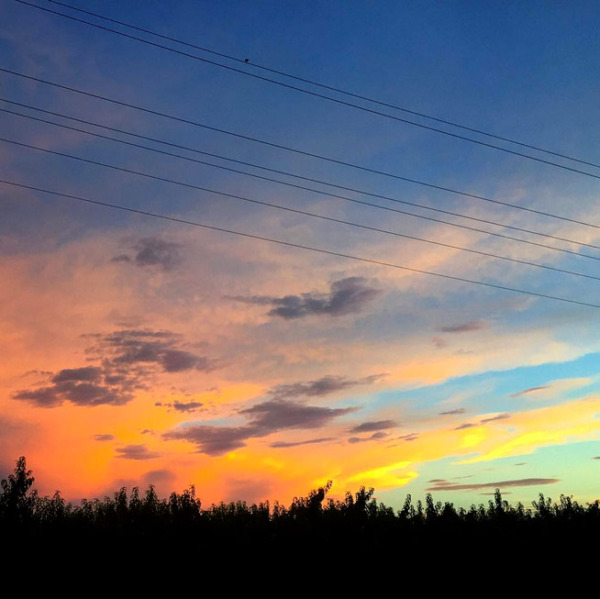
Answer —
287 183
312 93
255 65
296 150
304 247
297 211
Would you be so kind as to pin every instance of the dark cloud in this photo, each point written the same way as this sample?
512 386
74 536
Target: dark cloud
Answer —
152 251
452 412
523 463
409 437
175 360
104 437
465 425
190 406
46 397
127 358
136 452
373 437
264 419
521 482
530 390
283 444
597 457
346 296
89 394
276 415
498 417
213 440
89 373
133 347
320 387
374 425
466 327
81 394
181 406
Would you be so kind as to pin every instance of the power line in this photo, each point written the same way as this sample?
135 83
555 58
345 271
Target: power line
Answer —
328 87
295 150
301 212
303 247
338 196
312 93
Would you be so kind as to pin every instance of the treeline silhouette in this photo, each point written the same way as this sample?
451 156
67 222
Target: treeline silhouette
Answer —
358 518
316 544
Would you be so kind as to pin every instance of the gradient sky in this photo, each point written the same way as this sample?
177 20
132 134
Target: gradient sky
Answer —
138 350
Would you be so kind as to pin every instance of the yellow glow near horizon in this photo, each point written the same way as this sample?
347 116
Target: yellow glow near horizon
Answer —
574 421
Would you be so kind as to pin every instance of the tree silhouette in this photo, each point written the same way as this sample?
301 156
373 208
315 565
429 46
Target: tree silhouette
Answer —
347 528
15 505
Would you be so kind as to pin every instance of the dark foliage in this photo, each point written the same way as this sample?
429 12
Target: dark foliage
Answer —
314 528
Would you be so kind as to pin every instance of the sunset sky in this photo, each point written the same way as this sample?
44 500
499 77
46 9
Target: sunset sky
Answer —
286 287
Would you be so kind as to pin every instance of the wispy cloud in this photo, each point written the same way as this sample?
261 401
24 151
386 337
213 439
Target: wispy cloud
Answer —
452 412
283 444
409 437
556 387
320 387
529 390
465 327
471 424
494 418
443 485
373 437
